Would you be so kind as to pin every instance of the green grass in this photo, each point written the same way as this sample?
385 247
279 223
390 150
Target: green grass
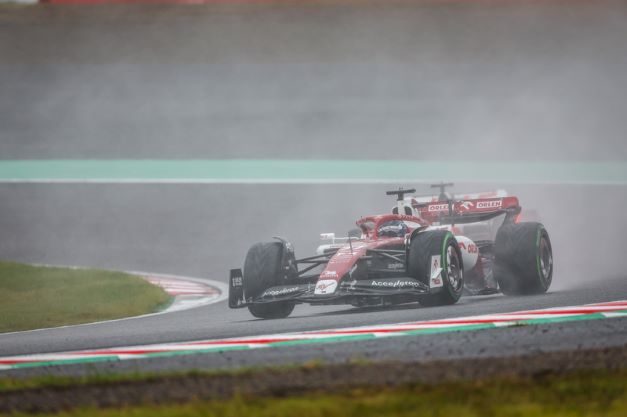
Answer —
584 393
33 297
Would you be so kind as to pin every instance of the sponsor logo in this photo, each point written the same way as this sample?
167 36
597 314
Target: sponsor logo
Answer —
328 274
282 291
466 205
436 262
435 278
325 287
470 248
405 216
396 284
396 265
489 204
438 207
237 281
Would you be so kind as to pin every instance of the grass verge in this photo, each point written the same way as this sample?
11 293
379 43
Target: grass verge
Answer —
582 393
578 382
33 297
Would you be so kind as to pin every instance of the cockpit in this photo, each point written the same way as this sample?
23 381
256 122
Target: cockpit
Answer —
388 225
392 228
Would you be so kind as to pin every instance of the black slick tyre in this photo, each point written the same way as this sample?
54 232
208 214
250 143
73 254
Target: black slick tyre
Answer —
441 247
262 270
523 261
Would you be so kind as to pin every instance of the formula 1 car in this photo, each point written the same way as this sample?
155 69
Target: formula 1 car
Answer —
429 250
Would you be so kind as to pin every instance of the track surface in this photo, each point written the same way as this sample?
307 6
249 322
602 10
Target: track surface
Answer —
463 81
192 230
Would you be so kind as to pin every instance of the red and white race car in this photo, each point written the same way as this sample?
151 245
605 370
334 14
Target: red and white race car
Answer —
429 250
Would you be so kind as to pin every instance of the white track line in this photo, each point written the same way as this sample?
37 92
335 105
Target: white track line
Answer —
264 341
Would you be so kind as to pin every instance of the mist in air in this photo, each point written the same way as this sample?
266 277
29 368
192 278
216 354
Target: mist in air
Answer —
433 82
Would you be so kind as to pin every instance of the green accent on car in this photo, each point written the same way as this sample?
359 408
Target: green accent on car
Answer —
444 257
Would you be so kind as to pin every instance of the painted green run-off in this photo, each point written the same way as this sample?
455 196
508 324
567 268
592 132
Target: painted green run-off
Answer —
67 362
309 170
331 339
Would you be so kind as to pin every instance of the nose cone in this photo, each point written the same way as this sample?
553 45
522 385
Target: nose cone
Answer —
325 286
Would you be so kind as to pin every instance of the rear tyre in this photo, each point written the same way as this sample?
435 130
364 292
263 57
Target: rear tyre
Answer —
262 270
523 261
437 246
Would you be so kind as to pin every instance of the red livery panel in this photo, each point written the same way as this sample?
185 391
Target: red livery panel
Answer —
432 211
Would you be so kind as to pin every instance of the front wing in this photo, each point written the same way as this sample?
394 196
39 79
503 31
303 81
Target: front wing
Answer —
305 292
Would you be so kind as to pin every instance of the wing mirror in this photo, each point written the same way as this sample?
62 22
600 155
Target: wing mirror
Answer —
354 233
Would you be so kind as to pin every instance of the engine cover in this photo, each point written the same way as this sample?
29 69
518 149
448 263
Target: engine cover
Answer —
470 252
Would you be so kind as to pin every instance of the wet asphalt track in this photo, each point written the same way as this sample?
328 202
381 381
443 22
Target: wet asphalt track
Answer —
459 81
192 230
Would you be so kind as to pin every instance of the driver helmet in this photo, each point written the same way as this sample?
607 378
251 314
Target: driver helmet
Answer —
393 228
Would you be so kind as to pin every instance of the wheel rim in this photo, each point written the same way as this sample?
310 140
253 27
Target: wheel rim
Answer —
546 260
453 270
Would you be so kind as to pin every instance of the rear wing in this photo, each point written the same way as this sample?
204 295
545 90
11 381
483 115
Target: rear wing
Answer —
467 210
467 196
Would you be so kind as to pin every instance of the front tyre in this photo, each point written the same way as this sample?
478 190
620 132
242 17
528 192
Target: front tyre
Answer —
278 310
262 270
429 251
523 261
